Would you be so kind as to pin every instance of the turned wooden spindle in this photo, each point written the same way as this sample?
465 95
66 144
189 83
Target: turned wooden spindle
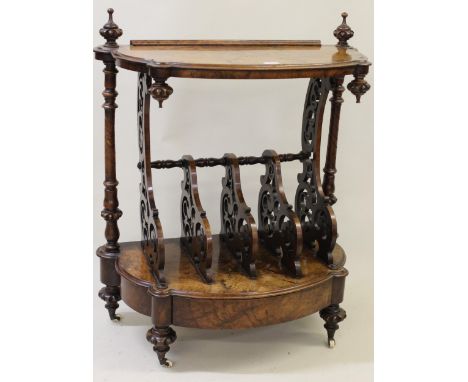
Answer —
111 212
330 162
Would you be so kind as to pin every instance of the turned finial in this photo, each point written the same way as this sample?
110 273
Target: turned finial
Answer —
359 86
110 31
160 91
343 32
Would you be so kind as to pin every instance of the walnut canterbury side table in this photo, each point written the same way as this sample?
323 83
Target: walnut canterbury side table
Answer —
279 267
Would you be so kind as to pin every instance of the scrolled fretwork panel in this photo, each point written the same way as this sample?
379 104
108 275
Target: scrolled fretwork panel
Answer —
152 239
314 108
238 227
196 230
279 227
317 218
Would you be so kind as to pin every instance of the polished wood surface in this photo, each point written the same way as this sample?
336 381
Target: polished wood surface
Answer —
225 43
228 279
233 300
243 57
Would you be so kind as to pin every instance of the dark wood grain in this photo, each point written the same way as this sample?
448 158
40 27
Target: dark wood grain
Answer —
234 60
152 237
232 300
212 162
238 227
279 226
319 227
195 227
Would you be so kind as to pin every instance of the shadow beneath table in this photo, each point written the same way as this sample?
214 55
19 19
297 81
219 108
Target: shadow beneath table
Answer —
131 318
283 348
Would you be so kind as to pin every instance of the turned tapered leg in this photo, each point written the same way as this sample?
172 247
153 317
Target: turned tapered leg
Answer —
111 294
161 338
161 335
332 315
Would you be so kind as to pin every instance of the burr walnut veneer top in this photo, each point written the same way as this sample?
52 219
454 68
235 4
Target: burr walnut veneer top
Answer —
194 58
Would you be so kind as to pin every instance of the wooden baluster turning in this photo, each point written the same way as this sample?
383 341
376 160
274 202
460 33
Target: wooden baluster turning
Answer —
111 212
330 162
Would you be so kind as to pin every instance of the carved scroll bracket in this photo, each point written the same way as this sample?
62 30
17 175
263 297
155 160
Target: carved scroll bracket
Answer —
318 221
238 228
314 107
278 225
317 217
196 230
152 238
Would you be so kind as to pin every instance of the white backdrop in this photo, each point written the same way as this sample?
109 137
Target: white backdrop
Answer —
211 117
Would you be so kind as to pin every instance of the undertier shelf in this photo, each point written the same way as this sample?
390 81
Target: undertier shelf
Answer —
230 286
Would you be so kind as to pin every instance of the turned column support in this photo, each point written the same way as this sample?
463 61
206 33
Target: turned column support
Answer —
111 212
330 162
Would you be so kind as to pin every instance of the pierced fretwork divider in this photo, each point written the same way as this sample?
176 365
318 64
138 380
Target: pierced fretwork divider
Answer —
238 227
281 229
152 239
278 225
318 220
196 230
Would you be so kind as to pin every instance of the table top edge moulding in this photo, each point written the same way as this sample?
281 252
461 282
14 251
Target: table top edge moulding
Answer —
282 265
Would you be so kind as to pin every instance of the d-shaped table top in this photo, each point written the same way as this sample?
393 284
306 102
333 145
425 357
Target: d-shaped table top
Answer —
237 59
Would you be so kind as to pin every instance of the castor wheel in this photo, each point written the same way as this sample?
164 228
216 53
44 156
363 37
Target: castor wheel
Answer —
331 343
168 364
116 318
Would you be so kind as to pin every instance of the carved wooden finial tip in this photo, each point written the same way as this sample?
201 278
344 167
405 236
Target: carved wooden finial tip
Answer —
343 32
160 91
110 31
